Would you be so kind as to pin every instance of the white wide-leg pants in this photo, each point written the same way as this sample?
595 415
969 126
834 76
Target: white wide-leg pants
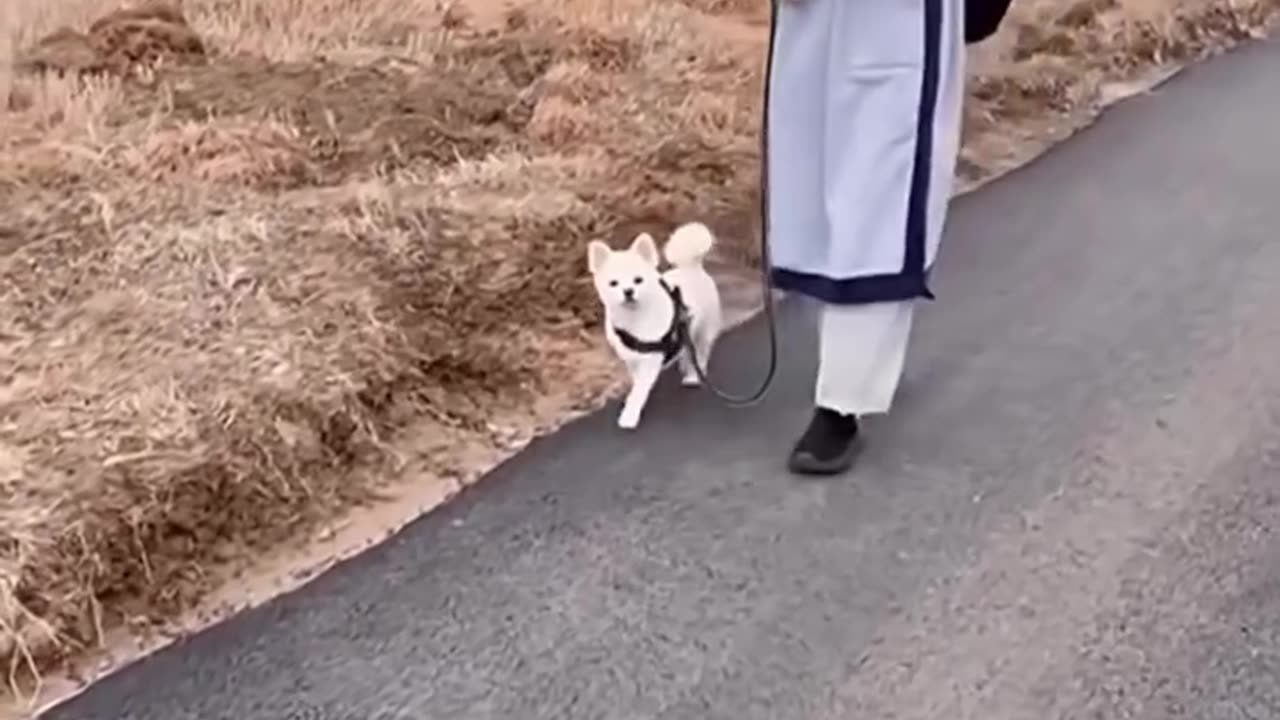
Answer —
863 349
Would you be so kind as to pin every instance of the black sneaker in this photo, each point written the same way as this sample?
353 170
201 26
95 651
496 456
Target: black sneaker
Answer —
828 446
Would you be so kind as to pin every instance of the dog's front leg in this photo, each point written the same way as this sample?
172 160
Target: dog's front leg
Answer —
688 370
704 344
699 359
644 374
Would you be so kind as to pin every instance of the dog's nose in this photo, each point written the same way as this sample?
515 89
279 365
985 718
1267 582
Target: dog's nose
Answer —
629 293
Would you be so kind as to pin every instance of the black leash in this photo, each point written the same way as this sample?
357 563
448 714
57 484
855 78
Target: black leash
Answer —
766 268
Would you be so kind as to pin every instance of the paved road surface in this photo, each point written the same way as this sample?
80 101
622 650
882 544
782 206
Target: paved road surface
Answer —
1072 514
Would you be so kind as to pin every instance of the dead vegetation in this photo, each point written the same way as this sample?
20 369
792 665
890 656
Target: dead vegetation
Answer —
244 245
119 42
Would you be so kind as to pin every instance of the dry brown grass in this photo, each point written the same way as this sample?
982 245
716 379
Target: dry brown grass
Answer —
260 238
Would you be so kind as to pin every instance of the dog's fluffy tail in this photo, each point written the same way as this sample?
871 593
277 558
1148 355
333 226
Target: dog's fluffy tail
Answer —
689 244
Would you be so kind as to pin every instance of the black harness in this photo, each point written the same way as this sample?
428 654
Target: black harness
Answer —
673 341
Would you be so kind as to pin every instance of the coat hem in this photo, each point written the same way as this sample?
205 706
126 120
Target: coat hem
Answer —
854 291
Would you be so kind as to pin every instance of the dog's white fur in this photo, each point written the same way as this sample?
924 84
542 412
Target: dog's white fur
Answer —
634 301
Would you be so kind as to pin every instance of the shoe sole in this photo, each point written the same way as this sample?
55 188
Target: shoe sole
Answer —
802 463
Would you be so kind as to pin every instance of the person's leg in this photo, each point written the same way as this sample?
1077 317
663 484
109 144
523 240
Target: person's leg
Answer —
895 88
863 349
862 352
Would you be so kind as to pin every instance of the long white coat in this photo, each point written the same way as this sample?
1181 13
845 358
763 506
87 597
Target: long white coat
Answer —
864 121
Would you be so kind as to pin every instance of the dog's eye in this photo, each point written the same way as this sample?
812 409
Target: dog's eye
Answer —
639 280
613 283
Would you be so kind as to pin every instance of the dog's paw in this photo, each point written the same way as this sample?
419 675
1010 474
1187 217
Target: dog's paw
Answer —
628 421
691 380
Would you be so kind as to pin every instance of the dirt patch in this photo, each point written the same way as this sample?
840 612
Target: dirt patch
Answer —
259 268
261 154
357 119
118 42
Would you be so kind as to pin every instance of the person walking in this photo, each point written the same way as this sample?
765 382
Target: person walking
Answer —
864 117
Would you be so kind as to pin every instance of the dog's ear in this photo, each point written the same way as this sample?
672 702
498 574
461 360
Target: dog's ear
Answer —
645 247
597 253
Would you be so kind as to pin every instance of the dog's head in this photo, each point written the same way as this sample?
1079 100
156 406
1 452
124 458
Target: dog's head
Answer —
627 281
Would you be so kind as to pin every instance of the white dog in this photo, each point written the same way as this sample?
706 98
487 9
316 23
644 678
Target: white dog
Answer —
651 316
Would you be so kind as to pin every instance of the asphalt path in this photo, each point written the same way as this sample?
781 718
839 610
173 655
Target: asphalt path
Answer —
1072 512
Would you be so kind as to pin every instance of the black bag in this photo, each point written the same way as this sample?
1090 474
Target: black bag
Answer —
982 18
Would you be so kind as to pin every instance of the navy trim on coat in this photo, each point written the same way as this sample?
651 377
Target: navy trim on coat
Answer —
913 281
854 291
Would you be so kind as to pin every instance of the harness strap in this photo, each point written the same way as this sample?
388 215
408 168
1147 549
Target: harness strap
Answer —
672 342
